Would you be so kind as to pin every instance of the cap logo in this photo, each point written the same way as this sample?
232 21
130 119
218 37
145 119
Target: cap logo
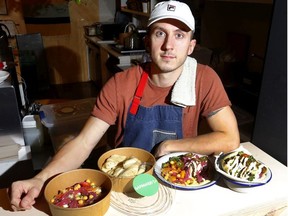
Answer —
171 7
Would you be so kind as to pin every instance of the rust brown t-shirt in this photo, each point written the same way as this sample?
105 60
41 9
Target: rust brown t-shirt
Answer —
113 101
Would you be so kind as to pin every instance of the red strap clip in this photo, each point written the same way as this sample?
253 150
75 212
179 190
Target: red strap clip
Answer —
139 93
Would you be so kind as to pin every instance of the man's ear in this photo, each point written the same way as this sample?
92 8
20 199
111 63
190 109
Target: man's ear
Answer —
191 46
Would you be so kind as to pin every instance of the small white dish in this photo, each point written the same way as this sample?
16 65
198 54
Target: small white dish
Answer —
3 75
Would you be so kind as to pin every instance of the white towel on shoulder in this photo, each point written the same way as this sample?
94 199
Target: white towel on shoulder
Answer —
183 92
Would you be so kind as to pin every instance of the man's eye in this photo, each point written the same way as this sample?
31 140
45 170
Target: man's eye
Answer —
179 35
160 34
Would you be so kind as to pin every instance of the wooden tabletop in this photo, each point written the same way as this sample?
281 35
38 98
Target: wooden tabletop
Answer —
39 209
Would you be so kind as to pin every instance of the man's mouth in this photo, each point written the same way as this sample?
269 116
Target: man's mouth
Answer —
167 56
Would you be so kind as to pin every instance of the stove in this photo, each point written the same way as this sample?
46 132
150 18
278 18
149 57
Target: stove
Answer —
122 50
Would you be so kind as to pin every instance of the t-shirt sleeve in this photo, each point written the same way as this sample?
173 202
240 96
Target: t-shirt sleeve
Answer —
211 91
105 107
113 101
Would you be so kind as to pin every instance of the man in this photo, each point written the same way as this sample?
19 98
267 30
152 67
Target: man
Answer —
156 106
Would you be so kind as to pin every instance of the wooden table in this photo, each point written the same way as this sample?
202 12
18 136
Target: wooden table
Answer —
271 199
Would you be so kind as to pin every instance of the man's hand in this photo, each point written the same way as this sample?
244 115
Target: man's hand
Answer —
161 149
23 193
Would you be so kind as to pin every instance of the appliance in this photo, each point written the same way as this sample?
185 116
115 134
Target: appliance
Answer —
133 43
14 153
107 30
33 64
90 30
10 118
121 49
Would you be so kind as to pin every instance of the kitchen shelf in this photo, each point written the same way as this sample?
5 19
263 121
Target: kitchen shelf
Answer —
124 9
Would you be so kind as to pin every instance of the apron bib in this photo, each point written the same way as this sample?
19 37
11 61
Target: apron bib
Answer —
146 127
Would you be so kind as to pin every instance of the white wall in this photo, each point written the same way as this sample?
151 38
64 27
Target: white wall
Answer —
106 10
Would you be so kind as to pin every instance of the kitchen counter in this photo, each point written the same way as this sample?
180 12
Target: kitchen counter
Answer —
270 199
105 52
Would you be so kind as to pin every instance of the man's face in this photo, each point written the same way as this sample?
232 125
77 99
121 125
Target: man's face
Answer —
169 42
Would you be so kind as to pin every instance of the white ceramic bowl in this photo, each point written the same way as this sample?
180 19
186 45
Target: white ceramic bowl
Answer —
3 75
240 185
165 158
219 169
243 187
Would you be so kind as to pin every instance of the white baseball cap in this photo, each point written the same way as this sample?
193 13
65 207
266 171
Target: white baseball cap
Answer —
172 10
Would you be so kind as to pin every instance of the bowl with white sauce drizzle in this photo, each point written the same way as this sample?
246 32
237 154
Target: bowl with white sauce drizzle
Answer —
241 170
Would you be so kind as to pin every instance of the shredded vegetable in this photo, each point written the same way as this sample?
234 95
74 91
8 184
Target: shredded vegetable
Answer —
243 166
187 169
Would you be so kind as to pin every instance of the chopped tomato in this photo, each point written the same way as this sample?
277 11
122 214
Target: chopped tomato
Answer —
78 195
177 169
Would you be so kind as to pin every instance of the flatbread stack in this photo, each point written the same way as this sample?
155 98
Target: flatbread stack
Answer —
123 167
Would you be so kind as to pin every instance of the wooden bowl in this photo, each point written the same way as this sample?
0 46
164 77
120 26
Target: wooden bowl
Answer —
68 179
125 184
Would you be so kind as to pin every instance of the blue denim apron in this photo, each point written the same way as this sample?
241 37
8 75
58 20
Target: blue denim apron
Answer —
146 127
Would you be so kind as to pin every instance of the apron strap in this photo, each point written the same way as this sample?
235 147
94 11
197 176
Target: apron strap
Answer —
139 92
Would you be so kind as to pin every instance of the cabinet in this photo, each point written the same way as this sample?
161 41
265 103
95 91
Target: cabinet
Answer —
94 62
122 6
139 18
133 12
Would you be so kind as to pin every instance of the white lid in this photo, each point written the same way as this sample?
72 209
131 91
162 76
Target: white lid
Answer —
29 121
65 113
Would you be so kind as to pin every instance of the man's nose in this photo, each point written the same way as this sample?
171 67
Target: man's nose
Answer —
168 43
